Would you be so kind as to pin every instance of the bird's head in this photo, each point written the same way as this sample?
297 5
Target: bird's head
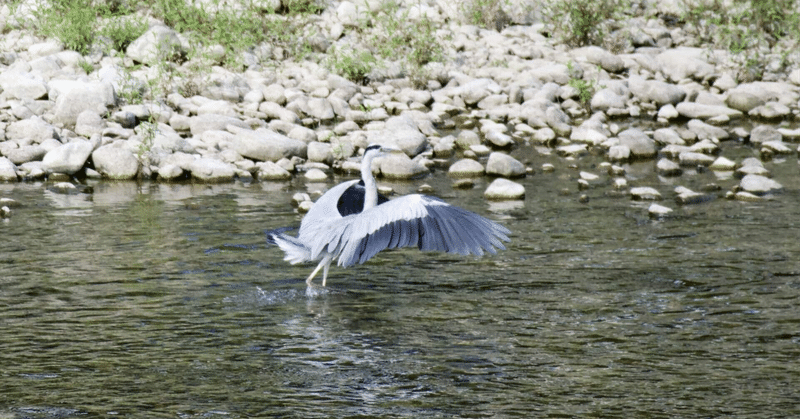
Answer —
376 150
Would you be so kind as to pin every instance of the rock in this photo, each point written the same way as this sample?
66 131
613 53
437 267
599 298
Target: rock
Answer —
320 152
776 147
759 185
211 170
26 154
476 90
686 196
400 132
501 164
747 197
23 86
68 158
771 110
706 131
319 108
170 172
606 99
200 124
587 135
722 164
645 193
690 158
272 171
316 175
89 123
668 112
667 136
658 92
157 44
350 14
764 133
743 101
8 170
619 153
466 139
34 128
573 150
638 142
658 211
601 57
558 120
701 111
683 63
400 166
504 189
76 97
115 162
666 167
466 168
751 166
266 145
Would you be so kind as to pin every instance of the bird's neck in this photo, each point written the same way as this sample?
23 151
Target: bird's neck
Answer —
370 186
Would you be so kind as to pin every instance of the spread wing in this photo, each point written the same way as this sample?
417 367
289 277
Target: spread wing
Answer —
412 220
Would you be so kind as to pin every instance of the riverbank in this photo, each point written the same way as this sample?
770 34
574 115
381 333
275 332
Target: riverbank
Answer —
164 109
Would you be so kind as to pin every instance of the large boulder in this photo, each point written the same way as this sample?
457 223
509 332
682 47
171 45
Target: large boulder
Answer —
157 44
400 132
75 97
115 162
266 145
501 164
34 128
212 170
68 158
655 91
8 170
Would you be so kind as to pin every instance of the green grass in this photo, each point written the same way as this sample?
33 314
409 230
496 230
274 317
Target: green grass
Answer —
583 22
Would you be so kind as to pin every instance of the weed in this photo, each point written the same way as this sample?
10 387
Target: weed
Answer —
582 22
71 21
351 64
85 66
586 90
147 130
487 14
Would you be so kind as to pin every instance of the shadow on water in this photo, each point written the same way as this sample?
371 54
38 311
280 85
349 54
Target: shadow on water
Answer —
145 300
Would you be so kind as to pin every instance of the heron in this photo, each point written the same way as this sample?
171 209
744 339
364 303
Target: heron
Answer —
352 222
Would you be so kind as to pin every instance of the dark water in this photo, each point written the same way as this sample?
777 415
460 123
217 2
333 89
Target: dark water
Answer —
153 300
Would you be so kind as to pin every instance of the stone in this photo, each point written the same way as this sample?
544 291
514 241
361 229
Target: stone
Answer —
658 211
200 124
466 139
170 172
771 110
764 133
466 168
645 193
212 170
272 171
400 132
702 130
690 158
319 108
638 142
499 139
684 63
400 166
504 189
606 99
23 86
572 150
686 196
501 164
658 92
667 136
666 167
266 145
702 111
315 175
68 158
320 152
26 153
89 123
157 44
743 101
35 129
115 162
759 185
76 97
8 170
619 153
722 164
596 55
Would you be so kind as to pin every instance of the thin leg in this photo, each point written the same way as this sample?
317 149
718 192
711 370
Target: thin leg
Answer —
324 263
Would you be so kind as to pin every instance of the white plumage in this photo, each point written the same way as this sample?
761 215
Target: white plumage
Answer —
412 220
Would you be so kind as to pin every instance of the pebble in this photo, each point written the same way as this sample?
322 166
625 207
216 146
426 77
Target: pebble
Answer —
658 211
504 189
645 193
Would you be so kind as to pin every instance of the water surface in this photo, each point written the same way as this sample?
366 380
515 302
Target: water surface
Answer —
162 300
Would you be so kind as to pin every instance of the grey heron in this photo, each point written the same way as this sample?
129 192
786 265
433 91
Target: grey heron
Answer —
353 222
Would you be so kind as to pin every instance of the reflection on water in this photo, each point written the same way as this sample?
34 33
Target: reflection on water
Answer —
161 300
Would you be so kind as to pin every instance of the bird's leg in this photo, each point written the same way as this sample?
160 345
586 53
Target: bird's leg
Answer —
324 263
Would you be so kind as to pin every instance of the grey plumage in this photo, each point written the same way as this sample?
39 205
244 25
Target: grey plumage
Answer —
425 222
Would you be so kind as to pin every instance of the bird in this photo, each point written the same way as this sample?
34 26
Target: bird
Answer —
352 222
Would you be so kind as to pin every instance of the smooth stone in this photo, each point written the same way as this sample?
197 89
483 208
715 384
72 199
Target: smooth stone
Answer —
266 145
771 110
683 63
8 170
605 99
759 185
67 158
701 111
666 136
638 142
115 162
466 168
170 172
25 154
587 135
658 92
658 211
668 112
212 170
706 131
88 123
400 132
501 164
466 139
691 158
320 152
764 133
666 167
722 164
743 101
34 128
573 150
206 122
776 147
504 189
645 193
686 196
747 197
23 86
619 153
499 139
76 97
400 166
596 55
272 171
315 175
157 44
